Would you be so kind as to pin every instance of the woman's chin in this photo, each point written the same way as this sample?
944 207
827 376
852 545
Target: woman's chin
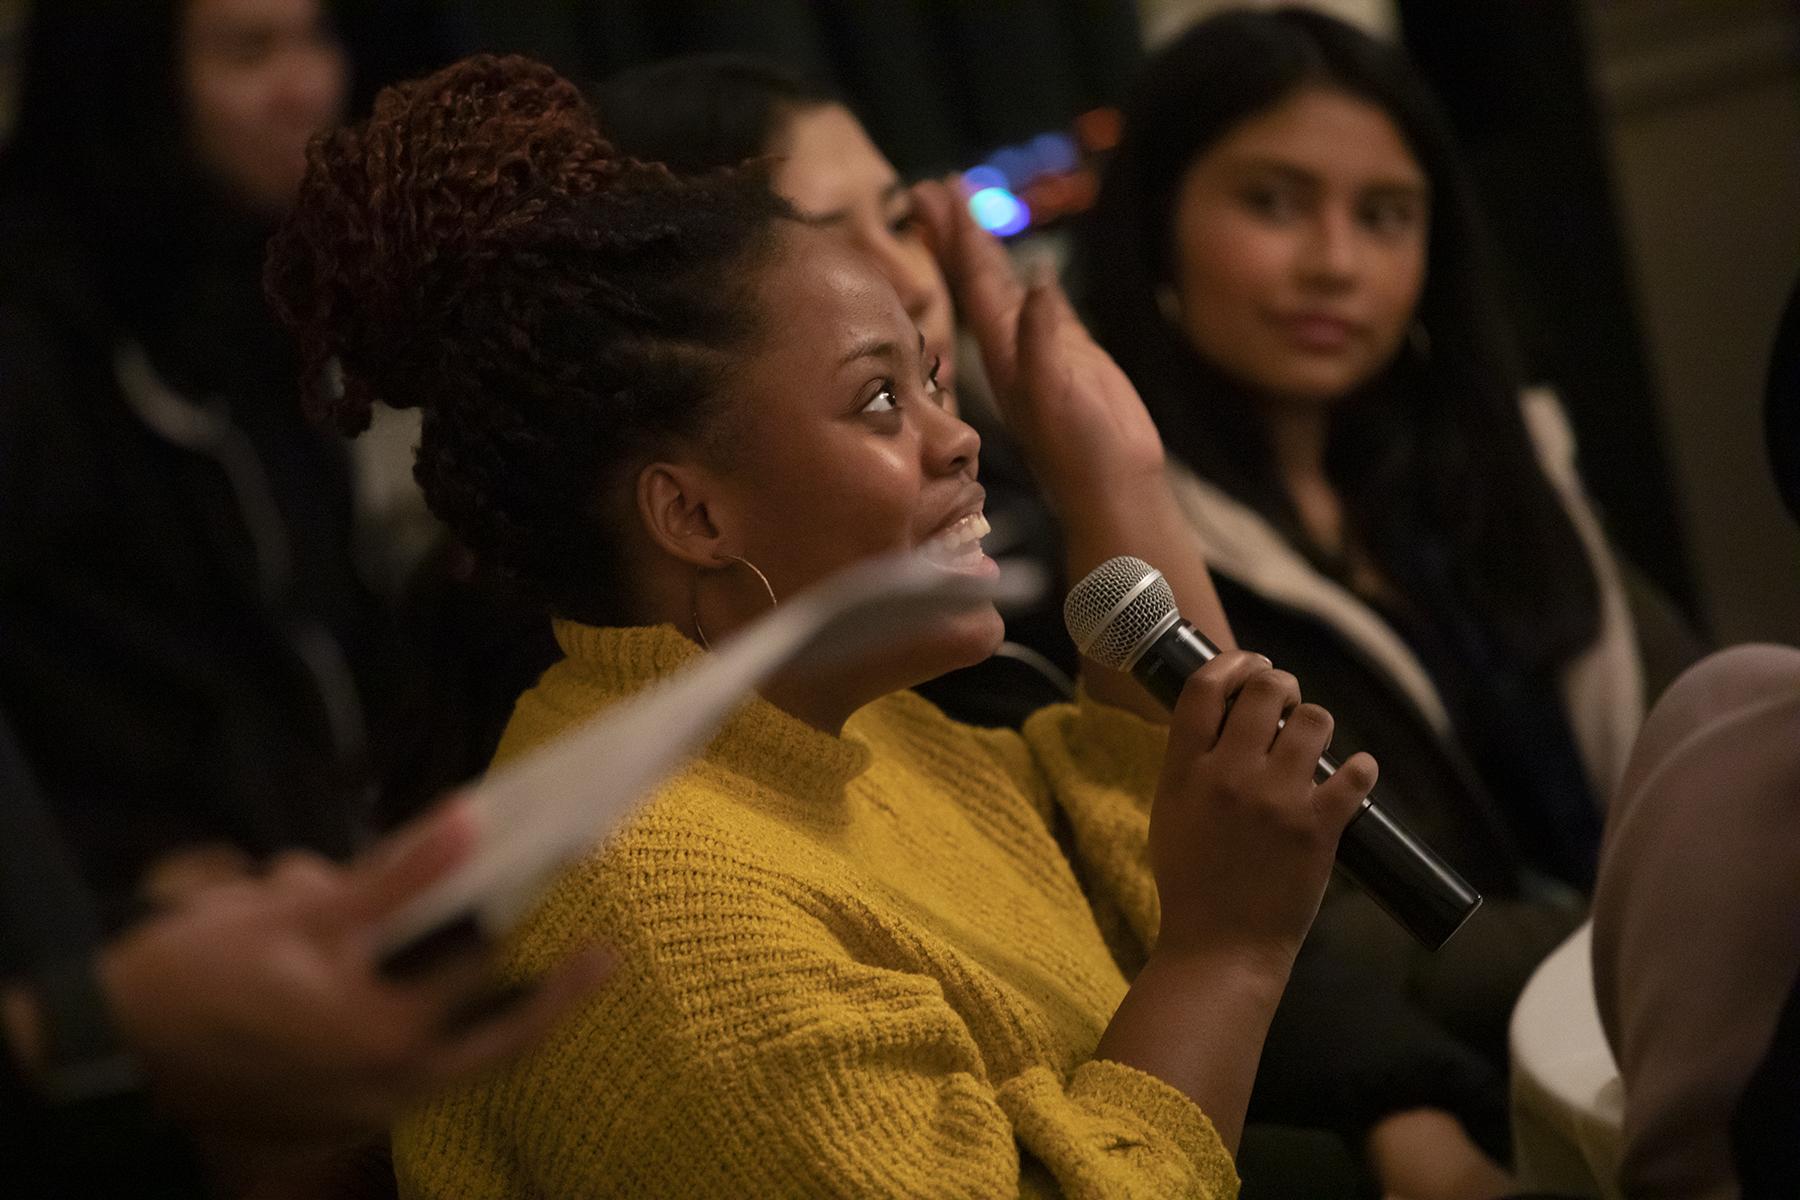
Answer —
950 645
987 629
962 641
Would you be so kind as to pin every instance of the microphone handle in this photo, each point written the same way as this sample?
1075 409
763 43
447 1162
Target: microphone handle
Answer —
1402 874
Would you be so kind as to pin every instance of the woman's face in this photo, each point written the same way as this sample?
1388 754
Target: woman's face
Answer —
840 182
261 77
1300 244
841 447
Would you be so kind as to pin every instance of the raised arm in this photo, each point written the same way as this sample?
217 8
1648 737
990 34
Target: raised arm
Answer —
1091 444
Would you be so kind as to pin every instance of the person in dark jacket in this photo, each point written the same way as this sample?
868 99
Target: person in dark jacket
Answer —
182 629
1283 256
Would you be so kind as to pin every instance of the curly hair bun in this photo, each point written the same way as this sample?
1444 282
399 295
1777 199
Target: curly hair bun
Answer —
397 214
476 249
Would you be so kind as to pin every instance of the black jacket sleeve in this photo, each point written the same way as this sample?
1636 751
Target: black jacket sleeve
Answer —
116 1145
45 910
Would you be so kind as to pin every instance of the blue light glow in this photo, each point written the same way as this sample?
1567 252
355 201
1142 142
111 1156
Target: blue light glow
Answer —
984 176
1055 153
999 211
1014 162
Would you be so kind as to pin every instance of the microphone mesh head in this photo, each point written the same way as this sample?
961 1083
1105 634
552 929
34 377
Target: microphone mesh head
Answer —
1107 637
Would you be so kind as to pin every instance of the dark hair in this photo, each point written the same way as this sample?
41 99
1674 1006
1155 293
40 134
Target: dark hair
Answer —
702 111
100 109
560 313
100 143
1434 463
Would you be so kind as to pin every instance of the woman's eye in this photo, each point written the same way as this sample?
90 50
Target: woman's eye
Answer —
1277 204
242 50
932 386
1389 216
885 400
904 218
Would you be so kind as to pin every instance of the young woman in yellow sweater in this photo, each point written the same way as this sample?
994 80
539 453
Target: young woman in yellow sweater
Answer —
865 950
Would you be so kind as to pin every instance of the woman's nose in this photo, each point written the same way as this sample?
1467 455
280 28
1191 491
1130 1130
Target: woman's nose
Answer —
951 443
1332 253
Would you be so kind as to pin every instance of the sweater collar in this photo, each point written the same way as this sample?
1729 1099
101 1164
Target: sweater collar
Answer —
759 740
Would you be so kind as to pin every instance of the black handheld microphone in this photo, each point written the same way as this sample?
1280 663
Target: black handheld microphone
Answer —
1123 616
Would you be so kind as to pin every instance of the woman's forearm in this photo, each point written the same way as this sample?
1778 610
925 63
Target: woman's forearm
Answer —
1198 1025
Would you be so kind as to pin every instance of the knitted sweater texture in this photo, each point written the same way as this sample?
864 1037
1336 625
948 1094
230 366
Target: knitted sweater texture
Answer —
849 966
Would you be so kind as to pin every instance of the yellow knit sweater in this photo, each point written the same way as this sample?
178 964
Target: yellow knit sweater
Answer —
850 966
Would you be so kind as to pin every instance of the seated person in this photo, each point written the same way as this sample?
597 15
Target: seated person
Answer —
186 644
708 111
1283 258
864 949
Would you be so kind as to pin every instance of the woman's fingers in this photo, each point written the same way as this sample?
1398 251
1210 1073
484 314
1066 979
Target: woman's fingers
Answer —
933 199
1301 741
1251 726
308 884
1338 798
179 877
988 294
1199 714
407 863
1057 361
1041 357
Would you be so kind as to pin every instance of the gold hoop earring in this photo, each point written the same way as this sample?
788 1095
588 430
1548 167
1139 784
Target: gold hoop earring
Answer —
754 569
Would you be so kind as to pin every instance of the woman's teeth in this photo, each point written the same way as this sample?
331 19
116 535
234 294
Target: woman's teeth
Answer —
971 528
960 540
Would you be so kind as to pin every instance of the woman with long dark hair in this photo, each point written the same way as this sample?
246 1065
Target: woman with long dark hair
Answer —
1285 259
180 615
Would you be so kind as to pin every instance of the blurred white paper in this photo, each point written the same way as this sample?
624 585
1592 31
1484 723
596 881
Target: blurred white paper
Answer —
550 808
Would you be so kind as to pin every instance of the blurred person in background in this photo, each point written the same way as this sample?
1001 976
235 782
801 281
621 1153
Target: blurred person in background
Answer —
1285 260
185 640
186 648
703 112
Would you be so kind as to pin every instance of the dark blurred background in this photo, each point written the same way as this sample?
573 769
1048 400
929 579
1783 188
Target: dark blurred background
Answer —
1639 160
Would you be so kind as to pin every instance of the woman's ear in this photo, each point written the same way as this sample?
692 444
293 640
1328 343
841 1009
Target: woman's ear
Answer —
678 503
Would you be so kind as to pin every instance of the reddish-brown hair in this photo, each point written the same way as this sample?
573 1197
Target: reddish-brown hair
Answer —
476 249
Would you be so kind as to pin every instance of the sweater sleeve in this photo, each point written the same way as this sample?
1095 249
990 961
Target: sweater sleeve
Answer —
753 1051
1098 767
